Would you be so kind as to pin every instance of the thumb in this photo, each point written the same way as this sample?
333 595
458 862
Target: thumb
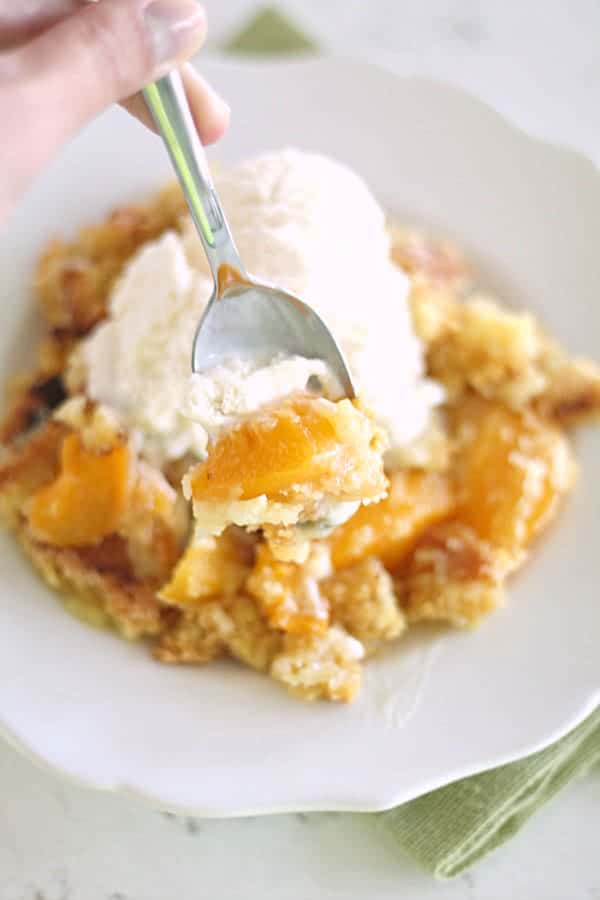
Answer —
102 53
107 51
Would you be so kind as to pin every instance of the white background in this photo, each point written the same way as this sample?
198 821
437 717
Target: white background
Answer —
539 62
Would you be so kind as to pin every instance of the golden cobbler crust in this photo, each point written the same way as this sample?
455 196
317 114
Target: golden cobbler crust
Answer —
462 509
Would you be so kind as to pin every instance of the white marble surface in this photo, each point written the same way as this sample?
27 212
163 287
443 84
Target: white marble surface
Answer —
539 62
59 842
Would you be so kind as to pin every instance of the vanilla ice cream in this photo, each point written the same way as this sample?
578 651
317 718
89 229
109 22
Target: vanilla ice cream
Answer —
306 223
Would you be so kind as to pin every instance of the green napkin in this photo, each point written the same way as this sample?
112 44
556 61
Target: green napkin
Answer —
451 828
270 32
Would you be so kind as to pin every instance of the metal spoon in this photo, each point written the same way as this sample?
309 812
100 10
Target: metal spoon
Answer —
244 317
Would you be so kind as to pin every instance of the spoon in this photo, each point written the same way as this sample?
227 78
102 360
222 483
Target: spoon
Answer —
245 318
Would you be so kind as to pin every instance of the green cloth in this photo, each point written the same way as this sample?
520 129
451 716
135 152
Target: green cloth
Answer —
451 828
270 32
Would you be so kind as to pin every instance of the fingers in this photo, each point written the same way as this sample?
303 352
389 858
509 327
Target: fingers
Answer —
210 112
100 54
23 20
108 50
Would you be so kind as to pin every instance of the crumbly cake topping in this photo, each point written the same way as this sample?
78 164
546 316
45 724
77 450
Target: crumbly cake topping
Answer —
453 515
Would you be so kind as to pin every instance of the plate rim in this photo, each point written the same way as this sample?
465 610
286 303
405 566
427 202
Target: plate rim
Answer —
154 801
586 706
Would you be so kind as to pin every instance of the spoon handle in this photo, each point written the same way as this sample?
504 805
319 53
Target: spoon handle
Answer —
168 105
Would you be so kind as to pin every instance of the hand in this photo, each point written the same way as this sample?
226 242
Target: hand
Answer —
63 61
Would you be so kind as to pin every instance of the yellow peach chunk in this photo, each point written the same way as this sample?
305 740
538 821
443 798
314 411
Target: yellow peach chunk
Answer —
513 469
28 468
86 501
210 567
389 529
304 440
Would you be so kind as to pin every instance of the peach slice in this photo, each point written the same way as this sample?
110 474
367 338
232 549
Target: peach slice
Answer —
210 567
304 440
390 529
86 501
513 468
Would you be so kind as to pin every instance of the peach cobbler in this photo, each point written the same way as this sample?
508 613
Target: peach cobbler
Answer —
249 511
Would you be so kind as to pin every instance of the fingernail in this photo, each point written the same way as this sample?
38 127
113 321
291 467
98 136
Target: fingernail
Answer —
176 29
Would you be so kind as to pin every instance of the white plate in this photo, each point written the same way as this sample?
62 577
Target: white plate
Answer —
221 740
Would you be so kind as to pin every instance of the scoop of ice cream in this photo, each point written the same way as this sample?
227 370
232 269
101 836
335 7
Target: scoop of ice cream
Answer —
138 360
306 223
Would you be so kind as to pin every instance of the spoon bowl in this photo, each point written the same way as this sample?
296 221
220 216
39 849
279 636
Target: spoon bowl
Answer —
256 321
245 319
